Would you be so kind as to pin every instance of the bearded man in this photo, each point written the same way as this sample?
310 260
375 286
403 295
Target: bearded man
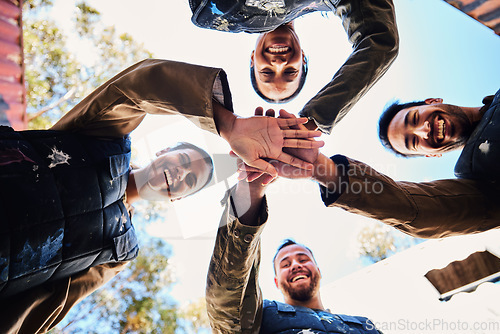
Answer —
234 299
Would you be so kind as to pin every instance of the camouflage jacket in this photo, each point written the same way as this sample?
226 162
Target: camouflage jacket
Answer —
370 26
233 295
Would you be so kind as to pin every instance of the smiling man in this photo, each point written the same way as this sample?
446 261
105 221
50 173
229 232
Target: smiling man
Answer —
278 65
234 299
428 127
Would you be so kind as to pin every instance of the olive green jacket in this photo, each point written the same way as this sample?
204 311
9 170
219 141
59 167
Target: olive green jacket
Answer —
371 28
433 209
233 296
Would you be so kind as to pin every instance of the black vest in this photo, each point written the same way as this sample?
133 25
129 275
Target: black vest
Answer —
61 207
287 319
480 158
252 16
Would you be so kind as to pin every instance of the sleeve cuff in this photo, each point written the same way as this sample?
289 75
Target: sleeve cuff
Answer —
330 196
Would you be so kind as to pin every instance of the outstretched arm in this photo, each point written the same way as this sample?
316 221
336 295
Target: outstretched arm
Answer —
371 28
434 209
234 298
152 86
167 87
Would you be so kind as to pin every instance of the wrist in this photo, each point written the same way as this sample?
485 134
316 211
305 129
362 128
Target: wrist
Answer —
224 120
325 171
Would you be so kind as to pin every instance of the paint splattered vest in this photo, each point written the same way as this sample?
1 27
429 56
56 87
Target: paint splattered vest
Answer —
61 207
287 319
252 16
480 158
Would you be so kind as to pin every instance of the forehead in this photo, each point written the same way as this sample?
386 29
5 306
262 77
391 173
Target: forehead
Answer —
396 131
198 163
292 251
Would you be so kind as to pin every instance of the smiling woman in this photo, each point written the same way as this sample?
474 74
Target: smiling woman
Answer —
178 171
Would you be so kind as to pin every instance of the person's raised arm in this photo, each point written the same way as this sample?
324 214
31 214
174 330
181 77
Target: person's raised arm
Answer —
151 86
371 28
233 296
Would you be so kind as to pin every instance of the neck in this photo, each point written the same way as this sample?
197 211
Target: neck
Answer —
473 113
131 191
314 302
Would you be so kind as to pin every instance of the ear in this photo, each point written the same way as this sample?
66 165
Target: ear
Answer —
165 150
304 59
433 100
276 282
434 155
251 58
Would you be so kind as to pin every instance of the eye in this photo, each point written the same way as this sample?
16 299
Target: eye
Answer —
291 72
266 72
415 118
190 181
415 142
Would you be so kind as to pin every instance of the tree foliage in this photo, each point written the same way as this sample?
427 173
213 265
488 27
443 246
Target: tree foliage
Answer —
53 69
135 301
378 241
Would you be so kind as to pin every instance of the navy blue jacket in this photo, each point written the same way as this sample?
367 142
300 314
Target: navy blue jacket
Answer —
480 158
61 204
287 319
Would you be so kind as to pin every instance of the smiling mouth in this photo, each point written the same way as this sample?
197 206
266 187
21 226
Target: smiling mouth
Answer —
298 277
439 129
168 180
278 49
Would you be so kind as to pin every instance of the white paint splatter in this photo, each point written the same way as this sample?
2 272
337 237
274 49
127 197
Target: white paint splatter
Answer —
484 147
269 5
123 220
307 331
58 158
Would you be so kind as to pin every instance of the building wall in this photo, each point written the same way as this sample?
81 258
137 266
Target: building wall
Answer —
12 87
485 11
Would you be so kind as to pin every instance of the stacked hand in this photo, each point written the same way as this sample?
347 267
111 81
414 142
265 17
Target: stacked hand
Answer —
257 138
306 151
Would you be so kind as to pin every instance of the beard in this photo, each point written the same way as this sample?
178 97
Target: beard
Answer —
303 292
461 123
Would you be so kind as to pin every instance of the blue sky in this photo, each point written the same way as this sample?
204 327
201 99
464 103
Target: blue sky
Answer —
443 53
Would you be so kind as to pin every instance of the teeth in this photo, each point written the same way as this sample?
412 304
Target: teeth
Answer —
169 178
296 278
440 134
278 49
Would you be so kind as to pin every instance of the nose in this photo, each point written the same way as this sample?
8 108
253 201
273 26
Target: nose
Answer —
181 173
278 60
296 264
423 130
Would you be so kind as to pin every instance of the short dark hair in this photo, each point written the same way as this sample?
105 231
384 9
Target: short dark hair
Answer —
286 99
386 118
208 159
289 242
